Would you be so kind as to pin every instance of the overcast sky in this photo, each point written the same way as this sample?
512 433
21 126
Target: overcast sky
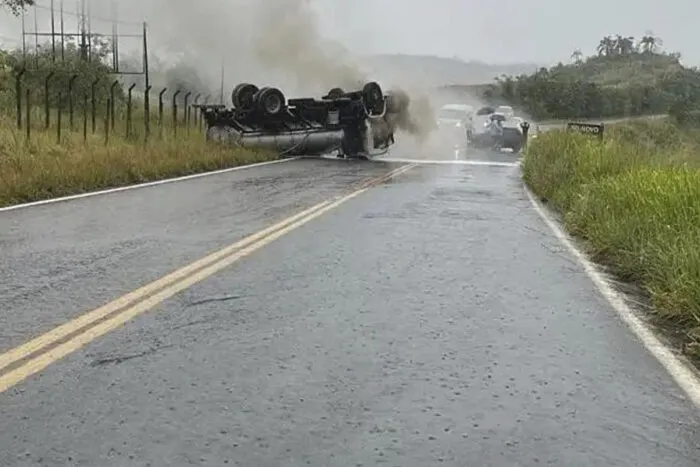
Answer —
499 31
510 30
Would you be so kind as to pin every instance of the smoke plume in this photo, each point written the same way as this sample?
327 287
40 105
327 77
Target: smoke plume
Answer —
275 43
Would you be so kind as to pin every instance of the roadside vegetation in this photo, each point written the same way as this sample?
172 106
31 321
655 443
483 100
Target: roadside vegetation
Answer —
634 200
47 162
625 77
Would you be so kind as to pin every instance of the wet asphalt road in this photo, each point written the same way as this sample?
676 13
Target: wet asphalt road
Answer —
433 320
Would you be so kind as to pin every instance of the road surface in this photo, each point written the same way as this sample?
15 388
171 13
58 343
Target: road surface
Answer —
431 319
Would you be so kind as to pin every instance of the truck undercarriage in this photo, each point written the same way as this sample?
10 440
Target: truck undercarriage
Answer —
357 124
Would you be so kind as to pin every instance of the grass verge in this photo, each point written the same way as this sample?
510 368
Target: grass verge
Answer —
40 168
634 200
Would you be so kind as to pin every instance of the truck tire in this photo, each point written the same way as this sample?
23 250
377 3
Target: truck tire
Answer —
336 93
242 96
516 146
270 101
373 97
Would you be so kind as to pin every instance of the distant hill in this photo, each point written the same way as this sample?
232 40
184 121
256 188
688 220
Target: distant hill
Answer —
626 77
435 71
624 70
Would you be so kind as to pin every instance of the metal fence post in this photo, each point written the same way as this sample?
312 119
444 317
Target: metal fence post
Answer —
196 107
85 116
128 110
71 84
175 110
58 117
185 118
29 113
160 107
18 92
47 102
112 113
201 114
107 115
147 111
93 96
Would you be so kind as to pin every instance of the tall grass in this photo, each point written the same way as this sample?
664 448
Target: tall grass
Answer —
634 199
41 167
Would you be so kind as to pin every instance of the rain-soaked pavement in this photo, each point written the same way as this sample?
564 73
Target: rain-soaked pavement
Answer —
433 320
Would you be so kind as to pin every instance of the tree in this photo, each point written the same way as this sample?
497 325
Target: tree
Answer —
16 6
71 64
606 46
577 56
624 45
650 43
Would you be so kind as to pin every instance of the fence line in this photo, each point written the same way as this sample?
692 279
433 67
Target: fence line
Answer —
64 95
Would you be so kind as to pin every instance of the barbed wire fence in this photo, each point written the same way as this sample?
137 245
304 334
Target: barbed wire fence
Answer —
102 103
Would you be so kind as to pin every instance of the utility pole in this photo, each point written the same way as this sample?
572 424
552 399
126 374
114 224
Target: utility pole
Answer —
24 35
82 30
145 55
36 37
53 32
115 36
89 30
63 35
221 96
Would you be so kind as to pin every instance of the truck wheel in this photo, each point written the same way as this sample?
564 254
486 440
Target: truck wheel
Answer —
516 146
336 93
372 96
270 101
242 96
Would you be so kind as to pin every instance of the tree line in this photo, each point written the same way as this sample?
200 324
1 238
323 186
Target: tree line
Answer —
625 77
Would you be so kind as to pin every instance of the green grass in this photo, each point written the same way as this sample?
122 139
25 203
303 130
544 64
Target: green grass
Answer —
634 200
39 167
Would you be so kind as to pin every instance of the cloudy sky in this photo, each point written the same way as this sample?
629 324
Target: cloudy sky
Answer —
498 31
509 30
493 31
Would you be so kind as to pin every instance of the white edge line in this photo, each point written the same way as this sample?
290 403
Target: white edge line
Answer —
141 185
683 374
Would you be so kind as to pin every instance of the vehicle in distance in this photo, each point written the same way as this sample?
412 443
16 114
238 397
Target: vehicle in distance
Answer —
505 110
356 124
498 130
454 121
456 115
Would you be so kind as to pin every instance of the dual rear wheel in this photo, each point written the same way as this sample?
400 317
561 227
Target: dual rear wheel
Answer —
268 101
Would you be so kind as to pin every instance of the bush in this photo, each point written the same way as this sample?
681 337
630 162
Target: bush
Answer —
634 199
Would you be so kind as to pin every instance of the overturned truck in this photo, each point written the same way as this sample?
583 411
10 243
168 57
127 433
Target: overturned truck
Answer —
356 124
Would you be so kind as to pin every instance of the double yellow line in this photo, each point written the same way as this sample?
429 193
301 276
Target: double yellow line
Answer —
23 361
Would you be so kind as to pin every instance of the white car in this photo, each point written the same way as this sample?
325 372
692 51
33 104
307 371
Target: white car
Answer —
505 110
455 115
